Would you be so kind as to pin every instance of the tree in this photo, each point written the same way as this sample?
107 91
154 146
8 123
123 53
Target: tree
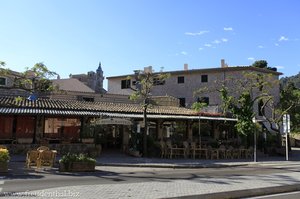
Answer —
240 95
145 81
263 64
260 64
34 80
197 106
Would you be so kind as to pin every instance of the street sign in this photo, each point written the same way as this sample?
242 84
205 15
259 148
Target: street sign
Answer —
286 123
286 130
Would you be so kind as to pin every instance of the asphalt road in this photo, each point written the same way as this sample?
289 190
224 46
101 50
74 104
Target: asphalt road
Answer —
291 195
34 180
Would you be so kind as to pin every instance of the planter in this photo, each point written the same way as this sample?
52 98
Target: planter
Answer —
135 153
3 167
77 167
88 140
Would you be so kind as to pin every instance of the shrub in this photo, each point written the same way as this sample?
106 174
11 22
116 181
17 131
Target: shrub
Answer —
4 155
71 157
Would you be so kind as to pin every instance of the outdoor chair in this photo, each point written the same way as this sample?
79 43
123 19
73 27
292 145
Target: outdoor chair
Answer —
173 150
45 158
222 152
31 158
214 153
195 150
186 149
43 148
229 152
249 152
242 152
163 151
236 153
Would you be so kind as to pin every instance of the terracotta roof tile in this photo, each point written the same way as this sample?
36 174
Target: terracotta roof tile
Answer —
67 105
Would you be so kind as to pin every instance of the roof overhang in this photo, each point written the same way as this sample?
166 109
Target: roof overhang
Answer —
34 111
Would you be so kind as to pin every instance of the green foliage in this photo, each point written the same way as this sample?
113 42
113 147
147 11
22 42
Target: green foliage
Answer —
197 106
240 101
260 64
88 131
243 111
263 64
34 79
71 157
295 80
2 63
145 81
4 155
290 103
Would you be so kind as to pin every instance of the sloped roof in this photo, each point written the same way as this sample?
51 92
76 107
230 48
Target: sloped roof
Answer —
68 105
72 84
9 105
208 70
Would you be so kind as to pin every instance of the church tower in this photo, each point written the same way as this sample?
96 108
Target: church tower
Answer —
99 80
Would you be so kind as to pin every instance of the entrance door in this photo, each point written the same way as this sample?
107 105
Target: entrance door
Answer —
110 136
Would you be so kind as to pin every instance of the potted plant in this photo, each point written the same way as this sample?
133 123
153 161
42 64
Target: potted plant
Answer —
4 158
76 162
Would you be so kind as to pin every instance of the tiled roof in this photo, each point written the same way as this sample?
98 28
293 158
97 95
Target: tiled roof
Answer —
49 106
72 84
208 70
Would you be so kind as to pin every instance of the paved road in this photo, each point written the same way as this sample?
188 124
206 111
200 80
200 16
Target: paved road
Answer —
133 182
292 195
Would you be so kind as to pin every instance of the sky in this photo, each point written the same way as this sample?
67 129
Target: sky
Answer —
73 36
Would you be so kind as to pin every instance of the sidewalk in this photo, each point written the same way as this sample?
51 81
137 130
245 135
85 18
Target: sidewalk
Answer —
200 187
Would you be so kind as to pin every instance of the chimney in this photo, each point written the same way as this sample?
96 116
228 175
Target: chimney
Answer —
223 64
186 67
148 69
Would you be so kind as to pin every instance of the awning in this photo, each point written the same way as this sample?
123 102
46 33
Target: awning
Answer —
35 111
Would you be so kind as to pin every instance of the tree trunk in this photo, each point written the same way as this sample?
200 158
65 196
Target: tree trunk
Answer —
145 154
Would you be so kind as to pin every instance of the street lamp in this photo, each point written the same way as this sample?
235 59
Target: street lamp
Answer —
199 131
254 150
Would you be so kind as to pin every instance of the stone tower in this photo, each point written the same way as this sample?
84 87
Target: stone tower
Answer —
99 80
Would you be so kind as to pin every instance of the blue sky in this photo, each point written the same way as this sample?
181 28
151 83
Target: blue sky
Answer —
72 36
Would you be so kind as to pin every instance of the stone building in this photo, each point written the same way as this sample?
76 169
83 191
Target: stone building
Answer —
183 84
93 80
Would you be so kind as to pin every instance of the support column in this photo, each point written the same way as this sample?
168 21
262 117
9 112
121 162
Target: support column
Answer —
159 129
39 129
215 130
189 130
125 139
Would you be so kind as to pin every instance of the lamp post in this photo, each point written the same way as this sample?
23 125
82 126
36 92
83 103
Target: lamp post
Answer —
254 150
199 131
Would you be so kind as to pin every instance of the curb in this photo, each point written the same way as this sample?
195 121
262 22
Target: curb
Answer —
245 193
172 166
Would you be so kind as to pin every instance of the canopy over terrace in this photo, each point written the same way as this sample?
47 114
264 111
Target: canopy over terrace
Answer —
12 106
31 119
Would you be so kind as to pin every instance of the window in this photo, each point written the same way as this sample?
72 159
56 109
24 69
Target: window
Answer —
125 83
25 127
180 79
204 78
2 81
203 100
88 99
182 102
158 81
67 128
6 127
